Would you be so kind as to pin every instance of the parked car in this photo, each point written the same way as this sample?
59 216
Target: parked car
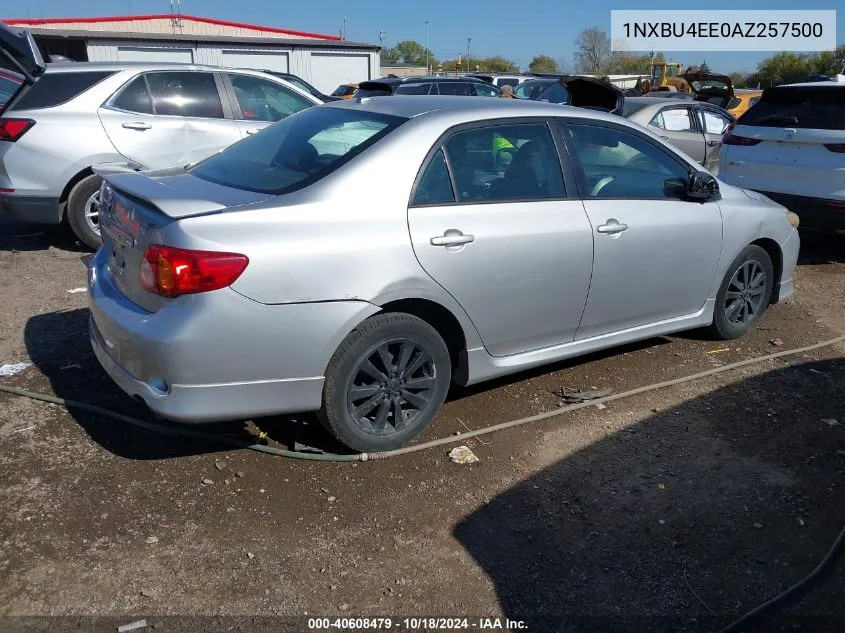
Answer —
10 82
260 282
300 83
669 94
791 146
694 127
345 91
457 86
532 88
500 80
79 115
743 102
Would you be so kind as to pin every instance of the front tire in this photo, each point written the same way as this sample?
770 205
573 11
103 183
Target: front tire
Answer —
744 294
83 211
385 383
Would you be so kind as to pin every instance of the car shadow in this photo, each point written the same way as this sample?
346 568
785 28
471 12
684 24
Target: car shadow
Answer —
821 248
58 345
18 236
724 500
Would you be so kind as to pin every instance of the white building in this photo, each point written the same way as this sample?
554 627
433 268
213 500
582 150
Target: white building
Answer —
326 61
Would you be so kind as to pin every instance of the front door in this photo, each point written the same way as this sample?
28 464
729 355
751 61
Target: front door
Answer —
168 119
714 123
498 230
655 253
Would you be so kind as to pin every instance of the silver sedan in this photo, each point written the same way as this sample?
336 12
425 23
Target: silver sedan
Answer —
694 127
359 257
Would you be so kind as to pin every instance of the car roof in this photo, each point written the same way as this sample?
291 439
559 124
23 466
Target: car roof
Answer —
64 67
472 108
811 84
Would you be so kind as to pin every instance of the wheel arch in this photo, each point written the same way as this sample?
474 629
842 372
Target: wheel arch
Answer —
75 180
775 253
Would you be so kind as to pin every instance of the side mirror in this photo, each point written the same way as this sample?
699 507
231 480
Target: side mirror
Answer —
702 186
675 187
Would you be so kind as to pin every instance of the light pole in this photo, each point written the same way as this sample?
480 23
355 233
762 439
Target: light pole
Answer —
427 71
469 59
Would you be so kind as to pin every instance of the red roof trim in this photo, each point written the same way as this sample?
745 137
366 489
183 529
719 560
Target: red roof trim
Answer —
161 16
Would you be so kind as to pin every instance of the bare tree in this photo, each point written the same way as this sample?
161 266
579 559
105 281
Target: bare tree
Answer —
593 50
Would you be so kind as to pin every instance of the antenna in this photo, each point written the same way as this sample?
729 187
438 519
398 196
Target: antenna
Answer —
381 35
176 14
343 30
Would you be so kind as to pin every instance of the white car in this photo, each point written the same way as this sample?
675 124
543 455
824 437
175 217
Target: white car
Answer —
790 146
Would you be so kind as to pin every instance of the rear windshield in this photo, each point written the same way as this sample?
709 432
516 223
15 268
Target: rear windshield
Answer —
343 91
374 90
54 89
9 84
812 107
631 108
296 151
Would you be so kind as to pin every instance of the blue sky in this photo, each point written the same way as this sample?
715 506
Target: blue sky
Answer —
517 30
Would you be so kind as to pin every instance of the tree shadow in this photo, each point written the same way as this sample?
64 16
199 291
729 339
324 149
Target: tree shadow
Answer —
733 496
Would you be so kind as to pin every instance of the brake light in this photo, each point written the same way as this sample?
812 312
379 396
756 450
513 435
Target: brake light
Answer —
12 129
171 272
732 139
839 148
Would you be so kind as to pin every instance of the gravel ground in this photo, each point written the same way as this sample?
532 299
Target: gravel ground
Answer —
676 510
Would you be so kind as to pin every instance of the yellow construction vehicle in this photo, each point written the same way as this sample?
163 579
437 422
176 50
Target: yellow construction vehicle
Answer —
667 76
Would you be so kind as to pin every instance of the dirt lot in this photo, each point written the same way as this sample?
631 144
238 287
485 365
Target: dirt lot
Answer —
677 510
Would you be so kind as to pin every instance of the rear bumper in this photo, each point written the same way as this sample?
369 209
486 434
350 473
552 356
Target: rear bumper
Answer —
218 355
37 209
815 213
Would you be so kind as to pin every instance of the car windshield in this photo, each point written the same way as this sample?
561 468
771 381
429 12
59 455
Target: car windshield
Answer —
344 91
297 151
810 107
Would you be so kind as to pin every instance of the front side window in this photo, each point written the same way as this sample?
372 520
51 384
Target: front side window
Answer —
713 122
263 100
134 97
613 163
485 90
296 151
435 187
508 162
188 94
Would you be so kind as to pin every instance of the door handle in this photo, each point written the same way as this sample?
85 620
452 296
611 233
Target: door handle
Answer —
713 143
613 226
253 131
137 126
452 238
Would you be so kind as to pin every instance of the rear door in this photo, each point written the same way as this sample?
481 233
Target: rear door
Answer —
20 55
510 243
713 123
258 102
170 118
679 125
792 141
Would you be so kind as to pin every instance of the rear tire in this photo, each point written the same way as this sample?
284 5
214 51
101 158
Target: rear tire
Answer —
744 294
82 202
385 383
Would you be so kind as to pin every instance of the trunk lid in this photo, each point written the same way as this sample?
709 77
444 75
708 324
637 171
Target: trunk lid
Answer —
711 87
19 53
135 211
596 94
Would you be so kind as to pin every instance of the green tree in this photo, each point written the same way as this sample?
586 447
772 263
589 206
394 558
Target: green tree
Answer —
592 50
625 64
739 79
495 64
543 64
408 52
783 68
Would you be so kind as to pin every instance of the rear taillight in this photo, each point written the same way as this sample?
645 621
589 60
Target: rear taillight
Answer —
839 148
732 139
12 129
171 272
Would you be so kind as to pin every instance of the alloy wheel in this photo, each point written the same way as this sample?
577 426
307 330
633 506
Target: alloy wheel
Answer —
746 293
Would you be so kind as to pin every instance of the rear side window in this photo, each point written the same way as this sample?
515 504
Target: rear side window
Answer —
188 94
454 88
485 90
134 97
507 82
57 88
296 151
435 186
413 89
812 107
